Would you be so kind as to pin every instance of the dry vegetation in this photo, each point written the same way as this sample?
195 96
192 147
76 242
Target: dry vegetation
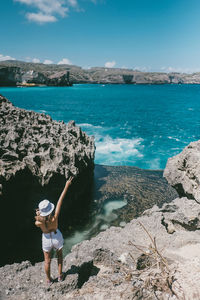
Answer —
153 277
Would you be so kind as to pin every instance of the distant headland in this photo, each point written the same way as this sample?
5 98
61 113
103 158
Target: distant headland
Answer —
26 74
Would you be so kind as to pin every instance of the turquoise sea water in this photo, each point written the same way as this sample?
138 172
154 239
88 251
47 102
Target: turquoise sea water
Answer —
140 125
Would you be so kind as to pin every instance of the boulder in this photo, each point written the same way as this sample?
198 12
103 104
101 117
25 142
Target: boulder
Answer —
183 171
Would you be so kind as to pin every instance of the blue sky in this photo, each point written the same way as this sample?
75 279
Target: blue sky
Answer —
149 35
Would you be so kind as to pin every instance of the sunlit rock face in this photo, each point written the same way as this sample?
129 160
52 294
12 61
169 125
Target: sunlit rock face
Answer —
183 171
15 72
37 155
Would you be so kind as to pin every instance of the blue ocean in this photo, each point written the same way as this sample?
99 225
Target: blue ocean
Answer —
134 125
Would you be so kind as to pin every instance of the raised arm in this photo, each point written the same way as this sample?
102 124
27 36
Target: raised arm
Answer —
62 196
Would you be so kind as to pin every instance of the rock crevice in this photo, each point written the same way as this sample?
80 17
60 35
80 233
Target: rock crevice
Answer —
37 155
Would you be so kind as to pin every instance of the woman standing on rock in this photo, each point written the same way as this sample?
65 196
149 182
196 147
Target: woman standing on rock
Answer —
51 236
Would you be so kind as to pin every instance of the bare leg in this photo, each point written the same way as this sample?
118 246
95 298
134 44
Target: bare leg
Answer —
60 261
47 264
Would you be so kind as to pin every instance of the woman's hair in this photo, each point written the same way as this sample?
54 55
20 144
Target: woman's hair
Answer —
47 218
44 219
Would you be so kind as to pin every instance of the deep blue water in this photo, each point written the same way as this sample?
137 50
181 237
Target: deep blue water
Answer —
139 125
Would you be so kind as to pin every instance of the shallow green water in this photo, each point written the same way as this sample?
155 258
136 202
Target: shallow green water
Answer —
98 223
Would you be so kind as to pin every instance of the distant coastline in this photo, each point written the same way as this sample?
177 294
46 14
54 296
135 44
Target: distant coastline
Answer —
19 73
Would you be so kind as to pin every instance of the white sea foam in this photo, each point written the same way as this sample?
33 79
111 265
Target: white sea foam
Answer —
173 138
42 111
88 125
154 164
117 151
113 151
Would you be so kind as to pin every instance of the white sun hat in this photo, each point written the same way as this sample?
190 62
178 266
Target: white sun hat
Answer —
45 208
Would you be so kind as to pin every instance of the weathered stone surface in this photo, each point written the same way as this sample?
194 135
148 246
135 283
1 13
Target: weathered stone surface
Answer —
37 155
31 140
109 265
183 171
182 214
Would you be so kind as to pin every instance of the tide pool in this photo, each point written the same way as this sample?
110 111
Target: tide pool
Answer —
135 125
99 222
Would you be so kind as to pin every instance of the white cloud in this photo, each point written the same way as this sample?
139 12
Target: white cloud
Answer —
65 61
110 64
36 60
179 70
40 18
48 7
142 69
49 10
6 57
48 62
73 3
87 67
46 10
124 67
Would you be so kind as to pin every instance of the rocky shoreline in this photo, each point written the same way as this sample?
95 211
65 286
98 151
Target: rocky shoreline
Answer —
154 256
123 263
18 73
37 154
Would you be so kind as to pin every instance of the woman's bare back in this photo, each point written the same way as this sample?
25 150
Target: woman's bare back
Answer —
47 225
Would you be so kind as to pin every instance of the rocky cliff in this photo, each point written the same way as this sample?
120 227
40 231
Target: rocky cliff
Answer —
14 73
22 76
156 256
37 155
183 171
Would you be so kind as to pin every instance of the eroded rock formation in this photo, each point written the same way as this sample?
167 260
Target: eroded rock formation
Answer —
17 72
183 171
37 155
31 140
13 76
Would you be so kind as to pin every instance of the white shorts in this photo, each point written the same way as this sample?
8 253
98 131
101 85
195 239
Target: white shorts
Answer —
52 240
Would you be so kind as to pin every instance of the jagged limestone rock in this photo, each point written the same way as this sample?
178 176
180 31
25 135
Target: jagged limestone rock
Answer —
34 141
37 155
183 171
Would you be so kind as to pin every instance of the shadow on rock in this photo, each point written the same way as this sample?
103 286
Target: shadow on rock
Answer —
80 275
